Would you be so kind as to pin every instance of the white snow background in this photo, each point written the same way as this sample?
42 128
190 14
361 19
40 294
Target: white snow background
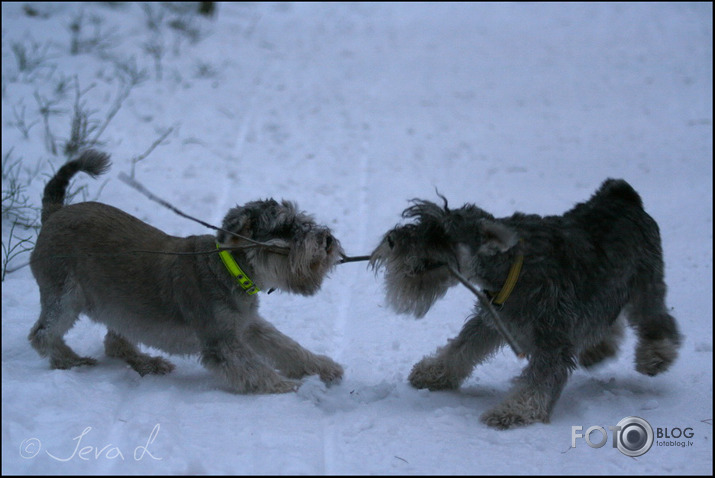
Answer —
351 110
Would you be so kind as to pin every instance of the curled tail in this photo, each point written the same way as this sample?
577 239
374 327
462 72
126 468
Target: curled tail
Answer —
91 162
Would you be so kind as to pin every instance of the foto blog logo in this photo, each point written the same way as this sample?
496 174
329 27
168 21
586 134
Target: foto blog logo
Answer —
633 436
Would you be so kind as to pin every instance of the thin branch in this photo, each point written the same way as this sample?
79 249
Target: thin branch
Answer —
123 94
151 148
20 123
139 187
46 108
82 125
486 303
10 251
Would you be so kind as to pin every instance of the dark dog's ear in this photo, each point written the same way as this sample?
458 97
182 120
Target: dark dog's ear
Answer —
237 220
496 238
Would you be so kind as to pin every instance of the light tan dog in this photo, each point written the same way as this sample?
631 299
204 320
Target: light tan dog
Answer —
94 259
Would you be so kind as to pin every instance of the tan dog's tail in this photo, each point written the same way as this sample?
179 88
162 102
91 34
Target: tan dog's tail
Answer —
91 162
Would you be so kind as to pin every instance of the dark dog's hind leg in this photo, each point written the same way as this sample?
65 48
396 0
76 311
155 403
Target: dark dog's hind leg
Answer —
658 336
606 348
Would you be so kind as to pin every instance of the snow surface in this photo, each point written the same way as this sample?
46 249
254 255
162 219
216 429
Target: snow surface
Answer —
351 110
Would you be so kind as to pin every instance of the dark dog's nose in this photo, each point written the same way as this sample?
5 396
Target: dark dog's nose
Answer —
328 242
390 242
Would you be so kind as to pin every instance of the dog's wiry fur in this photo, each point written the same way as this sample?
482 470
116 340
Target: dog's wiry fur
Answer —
580 271
87 260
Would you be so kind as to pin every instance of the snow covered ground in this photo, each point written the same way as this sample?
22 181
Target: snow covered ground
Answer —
351 110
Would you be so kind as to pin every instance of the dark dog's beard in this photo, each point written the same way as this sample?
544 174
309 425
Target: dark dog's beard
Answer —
414 281
415 293
422 267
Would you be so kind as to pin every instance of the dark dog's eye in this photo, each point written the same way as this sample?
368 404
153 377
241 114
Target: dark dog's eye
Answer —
390 242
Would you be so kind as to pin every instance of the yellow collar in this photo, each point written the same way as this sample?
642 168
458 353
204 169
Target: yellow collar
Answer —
510 282
236 271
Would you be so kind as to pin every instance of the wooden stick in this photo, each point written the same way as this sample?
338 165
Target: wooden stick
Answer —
354 259
487 304
139 187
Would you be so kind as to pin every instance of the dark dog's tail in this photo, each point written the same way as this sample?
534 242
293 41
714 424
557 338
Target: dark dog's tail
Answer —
620 189
91 162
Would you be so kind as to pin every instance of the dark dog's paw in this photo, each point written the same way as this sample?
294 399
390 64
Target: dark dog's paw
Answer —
654 357
519 411
505 419
432 374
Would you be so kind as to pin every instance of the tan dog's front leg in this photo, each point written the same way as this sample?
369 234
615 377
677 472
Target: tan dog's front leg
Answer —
289 356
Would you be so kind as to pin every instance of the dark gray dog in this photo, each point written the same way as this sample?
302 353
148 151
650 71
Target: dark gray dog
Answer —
560 283
95 259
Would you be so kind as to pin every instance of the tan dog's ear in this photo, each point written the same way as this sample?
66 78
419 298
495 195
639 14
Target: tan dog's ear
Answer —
239 221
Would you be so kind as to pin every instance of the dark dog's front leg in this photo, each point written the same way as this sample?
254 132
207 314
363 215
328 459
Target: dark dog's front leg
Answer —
453 363
536 391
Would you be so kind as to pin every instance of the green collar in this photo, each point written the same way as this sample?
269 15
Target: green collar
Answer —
236 271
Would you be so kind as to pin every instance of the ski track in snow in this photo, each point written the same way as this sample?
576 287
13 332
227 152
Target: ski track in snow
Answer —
351 110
